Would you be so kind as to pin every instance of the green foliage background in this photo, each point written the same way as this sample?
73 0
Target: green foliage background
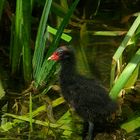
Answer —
106 41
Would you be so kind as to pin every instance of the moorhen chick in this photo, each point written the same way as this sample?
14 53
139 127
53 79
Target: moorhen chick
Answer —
88 98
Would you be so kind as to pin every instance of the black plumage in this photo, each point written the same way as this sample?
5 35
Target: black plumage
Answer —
89 99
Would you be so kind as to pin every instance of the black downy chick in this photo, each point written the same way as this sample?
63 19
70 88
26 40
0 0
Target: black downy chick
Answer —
89 99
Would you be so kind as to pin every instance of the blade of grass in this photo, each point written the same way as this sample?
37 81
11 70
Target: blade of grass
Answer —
66 121
26 33
64 3
127 39
131 125
54 31
125 75
118 54
17 44
106 33
132 79
61 11
1 7
31 113
39 46
12 38
84 40
32 3
98 5
2 92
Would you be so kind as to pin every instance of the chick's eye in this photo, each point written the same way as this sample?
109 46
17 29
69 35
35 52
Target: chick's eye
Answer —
60 51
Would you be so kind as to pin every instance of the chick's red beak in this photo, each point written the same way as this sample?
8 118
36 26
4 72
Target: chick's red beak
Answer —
54 56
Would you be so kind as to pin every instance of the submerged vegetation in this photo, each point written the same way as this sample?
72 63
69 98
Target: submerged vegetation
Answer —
105 36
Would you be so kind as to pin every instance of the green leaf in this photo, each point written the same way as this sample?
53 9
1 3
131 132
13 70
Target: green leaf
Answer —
84 40
117 58
125 75
31 113
66 122
61 11
54 31
2 92
1 7
58 101
40 40
127 39
17 43
106 33
26 33
132 79
131 125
